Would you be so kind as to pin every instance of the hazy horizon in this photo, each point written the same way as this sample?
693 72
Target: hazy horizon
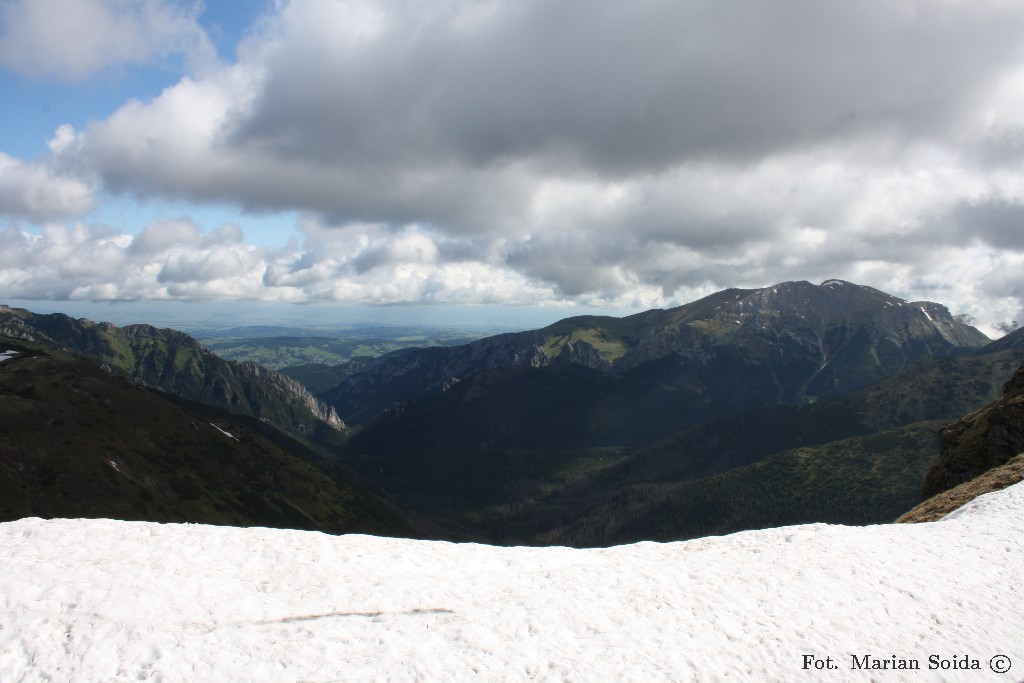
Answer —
194 316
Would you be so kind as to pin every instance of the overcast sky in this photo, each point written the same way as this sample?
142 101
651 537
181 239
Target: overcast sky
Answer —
521 153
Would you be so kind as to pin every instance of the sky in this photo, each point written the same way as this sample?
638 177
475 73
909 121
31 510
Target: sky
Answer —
509 156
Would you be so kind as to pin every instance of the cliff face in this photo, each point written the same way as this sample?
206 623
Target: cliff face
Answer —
292 389
177 364
981 441
580 352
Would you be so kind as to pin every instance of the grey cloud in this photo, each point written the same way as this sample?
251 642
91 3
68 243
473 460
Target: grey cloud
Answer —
997 222
162 235
1001 147
598 86
572 261
422 119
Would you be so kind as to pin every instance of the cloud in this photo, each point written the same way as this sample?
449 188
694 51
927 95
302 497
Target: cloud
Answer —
40 192
588 85
379 264
74 39
998 222
386 111
581 151
178 260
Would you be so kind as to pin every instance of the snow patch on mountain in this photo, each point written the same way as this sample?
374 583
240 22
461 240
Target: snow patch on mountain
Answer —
224 432
91 600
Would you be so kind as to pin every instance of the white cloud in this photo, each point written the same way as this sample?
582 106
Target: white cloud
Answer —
37 191
74 39
376 264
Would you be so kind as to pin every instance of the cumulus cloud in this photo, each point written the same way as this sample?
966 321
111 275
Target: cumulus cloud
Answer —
381 264
178 260
74 39
38 191
537 152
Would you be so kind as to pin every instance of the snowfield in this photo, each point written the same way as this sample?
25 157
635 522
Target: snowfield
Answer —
99 600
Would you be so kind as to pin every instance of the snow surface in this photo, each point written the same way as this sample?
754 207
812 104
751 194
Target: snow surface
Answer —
100 600
7 355
224 432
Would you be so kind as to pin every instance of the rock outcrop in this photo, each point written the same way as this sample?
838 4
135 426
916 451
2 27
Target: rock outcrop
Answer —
981 441
940 505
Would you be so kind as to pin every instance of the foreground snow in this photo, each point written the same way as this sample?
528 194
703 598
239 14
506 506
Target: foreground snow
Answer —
97 600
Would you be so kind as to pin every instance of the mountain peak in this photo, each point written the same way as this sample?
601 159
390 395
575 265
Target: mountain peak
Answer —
792 341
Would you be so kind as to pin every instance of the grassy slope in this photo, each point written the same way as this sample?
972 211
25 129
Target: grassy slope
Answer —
77 442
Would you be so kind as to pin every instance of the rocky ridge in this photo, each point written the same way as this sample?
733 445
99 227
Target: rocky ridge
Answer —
173 362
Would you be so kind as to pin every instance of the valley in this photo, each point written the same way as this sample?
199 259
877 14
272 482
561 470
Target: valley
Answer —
746 409
285 348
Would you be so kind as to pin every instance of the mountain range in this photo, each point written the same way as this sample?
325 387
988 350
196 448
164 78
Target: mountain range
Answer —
732 350
596 430
745 409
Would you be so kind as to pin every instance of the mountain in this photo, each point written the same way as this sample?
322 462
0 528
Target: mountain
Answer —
76 441
858 458
177 364
935 389
551 452
736 349
980 453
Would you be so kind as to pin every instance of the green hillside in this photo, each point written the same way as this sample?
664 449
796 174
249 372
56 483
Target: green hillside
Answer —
76 441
